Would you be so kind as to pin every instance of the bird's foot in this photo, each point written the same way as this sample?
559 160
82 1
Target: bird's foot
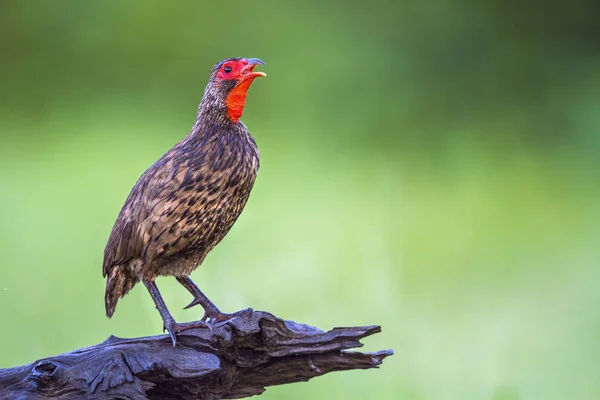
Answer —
214 315
211 313
174 327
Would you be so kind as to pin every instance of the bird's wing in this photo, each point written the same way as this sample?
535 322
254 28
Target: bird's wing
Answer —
126 240
152 215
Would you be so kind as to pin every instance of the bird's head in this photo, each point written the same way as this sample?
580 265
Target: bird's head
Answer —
228 84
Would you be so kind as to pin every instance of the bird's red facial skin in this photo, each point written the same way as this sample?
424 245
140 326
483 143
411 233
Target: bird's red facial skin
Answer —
236 69
241 71
236 100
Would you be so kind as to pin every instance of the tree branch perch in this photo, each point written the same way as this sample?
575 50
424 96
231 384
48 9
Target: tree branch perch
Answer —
237 359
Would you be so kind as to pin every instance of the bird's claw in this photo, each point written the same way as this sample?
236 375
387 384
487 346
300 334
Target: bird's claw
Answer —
173 328
215 316
169 326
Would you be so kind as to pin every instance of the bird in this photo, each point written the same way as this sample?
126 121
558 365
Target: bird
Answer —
186 202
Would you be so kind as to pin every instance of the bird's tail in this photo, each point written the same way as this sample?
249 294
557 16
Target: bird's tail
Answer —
118 284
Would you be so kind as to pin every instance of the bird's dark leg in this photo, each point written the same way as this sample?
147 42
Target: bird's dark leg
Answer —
169 322
211 311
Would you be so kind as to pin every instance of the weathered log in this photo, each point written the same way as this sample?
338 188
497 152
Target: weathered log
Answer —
237 358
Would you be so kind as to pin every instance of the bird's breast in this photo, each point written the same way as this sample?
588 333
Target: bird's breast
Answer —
208 192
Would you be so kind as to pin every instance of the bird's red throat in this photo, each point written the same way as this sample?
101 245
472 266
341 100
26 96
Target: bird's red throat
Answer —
236 100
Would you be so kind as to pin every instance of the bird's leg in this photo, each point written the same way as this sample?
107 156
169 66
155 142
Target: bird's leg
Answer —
211 311
169 322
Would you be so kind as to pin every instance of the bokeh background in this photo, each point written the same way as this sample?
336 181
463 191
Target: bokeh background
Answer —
430 166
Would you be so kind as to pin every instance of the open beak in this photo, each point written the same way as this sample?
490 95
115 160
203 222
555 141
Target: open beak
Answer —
248 71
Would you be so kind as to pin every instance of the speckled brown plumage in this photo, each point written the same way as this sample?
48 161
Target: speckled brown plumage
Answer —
187 201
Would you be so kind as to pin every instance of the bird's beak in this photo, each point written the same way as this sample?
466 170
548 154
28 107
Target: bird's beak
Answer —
248 72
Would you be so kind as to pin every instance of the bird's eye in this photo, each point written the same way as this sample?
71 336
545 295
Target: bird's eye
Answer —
227 69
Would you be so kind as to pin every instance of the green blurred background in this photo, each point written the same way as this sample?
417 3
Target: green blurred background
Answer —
431 167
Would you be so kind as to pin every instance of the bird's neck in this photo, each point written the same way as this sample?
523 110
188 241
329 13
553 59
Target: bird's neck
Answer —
225 102
214 123
214 119
212 109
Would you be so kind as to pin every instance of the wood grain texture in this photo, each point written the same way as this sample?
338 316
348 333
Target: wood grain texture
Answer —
238 358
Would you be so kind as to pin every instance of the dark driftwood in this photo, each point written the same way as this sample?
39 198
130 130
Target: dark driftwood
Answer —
237 359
